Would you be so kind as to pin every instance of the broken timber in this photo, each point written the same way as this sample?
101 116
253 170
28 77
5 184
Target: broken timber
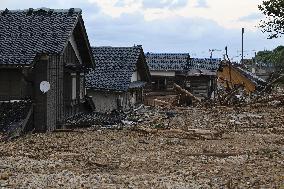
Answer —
185 93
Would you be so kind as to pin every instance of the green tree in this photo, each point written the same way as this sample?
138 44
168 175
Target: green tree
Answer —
274 21
275 57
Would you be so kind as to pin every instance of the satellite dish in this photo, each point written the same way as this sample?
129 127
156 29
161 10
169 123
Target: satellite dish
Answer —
44 86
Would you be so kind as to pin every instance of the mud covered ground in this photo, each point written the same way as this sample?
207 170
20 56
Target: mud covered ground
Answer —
249 153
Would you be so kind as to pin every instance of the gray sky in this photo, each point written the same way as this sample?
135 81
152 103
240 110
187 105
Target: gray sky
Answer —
192 26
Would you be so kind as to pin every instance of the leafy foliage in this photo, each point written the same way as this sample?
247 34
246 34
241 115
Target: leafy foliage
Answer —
274 21
275 57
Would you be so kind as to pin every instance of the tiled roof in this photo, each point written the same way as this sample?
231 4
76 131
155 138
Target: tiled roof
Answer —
24 33
114 68
179 62
167 62
204 63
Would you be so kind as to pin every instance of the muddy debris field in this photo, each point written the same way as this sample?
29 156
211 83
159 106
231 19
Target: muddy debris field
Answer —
217 147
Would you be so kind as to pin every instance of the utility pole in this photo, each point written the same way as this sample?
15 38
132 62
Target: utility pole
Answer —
243 31
230 64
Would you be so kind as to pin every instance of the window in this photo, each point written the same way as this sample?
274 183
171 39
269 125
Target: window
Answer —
82 88
74 95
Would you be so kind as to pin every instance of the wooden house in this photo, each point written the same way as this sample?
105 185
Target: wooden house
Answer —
44 54
230 75
163 69
196 75
119 77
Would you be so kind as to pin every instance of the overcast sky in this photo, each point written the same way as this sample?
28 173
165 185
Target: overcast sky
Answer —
192 26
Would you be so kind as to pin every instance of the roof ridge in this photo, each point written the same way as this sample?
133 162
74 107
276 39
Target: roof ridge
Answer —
73 10
114 47
150 53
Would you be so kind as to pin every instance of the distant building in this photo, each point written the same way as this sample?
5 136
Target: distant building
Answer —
260 69
119 77
196 75
43 57
164 69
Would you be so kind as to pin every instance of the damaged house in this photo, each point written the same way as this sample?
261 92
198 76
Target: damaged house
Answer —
193 74
232 75
163 69
119 77
43 57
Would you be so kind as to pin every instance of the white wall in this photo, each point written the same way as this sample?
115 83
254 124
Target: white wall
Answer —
107 101
163 73
135 76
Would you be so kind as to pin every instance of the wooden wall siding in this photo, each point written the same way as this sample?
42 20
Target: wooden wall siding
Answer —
55 95
200 86
160 83
78 82
52 107
40 117
82 87
82 43
71 107
67 93
142 70
69 56
12 85
237 78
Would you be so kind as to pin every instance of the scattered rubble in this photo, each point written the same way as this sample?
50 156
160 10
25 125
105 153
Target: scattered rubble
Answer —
233 140
96 118
184 147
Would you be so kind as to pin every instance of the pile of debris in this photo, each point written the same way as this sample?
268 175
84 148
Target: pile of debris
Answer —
237 96
13 114
221 147
96 118
224 96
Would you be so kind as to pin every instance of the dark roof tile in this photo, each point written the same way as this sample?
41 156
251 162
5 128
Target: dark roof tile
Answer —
114 68
25 33
179 62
